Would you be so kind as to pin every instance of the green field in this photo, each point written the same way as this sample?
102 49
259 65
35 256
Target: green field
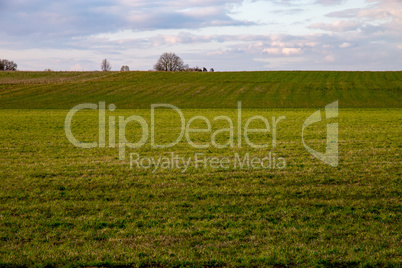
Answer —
63 206
132 90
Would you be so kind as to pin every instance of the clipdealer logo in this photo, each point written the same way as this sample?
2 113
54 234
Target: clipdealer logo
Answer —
330 156
243 130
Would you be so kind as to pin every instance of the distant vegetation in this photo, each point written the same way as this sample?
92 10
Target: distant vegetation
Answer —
105 65
170 62
6 65
124 68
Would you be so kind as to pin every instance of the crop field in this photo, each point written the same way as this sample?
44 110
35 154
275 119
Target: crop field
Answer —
212 199
133 90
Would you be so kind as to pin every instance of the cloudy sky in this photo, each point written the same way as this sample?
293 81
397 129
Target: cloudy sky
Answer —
226 35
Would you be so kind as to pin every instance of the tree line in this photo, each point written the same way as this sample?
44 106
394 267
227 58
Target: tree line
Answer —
167 62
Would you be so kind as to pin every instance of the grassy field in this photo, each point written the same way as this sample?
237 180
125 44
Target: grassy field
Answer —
132 90
65 206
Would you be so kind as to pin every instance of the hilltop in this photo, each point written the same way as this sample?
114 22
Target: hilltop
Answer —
273 89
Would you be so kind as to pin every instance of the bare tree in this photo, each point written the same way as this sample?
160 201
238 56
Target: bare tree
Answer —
105 65
6 65
124 68
169 62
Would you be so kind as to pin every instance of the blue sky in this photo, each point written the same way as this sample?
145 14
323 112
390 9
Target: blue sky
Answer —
226 35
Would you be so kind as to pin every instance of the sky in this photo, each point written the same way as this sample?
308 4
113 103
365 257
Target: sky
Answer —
236 35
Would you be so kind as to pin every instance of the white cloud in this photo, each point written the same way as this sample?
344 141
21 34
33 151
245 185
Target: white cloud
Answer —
337 26
286 51
345 45
385 15
329 58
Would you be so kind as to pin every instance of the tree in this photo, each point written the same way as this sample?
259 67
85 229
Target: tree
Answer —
6 65
124 68
105 65
212 70
169 62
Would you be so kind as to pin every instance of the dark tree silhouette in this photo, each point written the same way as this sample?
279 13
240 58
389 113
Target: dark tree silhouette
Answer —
105 65
6 65
169 62
124 68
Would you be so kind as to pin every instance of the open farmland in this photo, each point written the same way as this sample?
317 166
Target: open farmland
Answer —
132 90
65 206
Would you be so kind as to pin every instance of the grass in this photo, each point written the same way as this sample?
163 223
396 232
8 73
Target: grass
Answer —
132 90
64 206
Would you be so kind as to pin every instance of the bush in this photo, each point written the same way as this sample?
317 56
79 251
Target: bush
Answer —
6 65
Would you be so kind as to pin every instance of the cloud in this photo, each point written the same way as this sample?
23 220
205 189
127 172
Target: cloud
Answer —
286 51
345 45
193 19
330 2
379 22
76 34
347 13
337 26
48 20
329 58
380 12
56 19
194 14
291 11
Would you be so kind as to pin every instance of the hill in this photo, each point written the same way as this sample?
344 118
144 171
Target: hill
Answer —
276 89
